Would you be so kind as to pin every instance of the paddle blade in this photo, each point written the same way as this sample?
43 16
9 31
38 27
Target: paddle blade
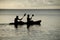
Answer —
32 14
25 14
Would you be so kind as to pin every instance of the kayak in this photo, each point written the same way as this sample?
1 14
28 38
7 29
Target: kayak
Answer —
30 23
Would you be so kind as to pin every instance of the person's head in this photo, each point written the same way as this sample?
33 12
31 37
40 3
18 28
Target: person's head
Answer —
16 16
28 15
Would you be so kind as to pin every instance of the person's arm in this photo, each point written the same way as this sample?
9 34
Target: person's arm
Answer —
32 16
23 16
20 19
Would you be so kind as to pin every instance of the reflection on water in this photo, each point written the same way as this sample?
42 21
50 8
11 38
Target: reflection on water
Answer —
49 30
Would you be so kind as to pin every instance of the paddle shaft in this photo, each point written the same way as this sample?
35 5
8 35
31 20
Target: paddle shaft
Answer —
32 16
23 16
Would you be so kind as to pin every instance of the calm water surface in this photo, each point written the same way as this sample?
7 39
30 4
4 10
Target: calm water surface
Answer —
49 29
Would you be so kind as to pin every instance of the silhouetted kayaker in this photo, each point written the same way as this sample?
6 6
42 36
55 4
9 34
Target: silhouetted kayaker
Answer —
16 22
28 18
29 21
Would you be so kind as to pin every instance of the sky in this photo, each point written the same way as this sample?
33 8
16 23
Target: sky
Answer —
29 4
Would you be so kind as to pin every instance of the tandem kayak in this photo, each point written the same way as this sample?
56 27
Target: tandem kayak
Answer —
30 23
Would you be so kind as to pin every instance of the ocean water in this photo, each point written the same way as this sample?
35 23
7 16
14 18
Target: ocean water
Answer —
49 29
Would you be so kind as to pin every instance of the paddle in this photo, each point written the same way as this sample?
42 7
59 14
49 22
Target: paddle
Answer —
23 16
32 16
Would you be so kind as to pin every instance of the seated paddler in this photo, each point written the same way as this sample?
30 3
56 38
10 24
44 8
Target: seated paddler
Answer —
29 19
17 21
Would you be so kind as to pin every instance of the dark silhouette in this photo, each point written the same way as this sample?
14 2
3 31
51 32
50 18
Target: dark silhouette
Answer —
29 21
28 18
16 21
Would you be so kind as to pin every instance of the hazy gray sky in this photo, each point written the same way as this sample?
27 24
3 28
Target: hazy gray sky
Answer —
23 4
